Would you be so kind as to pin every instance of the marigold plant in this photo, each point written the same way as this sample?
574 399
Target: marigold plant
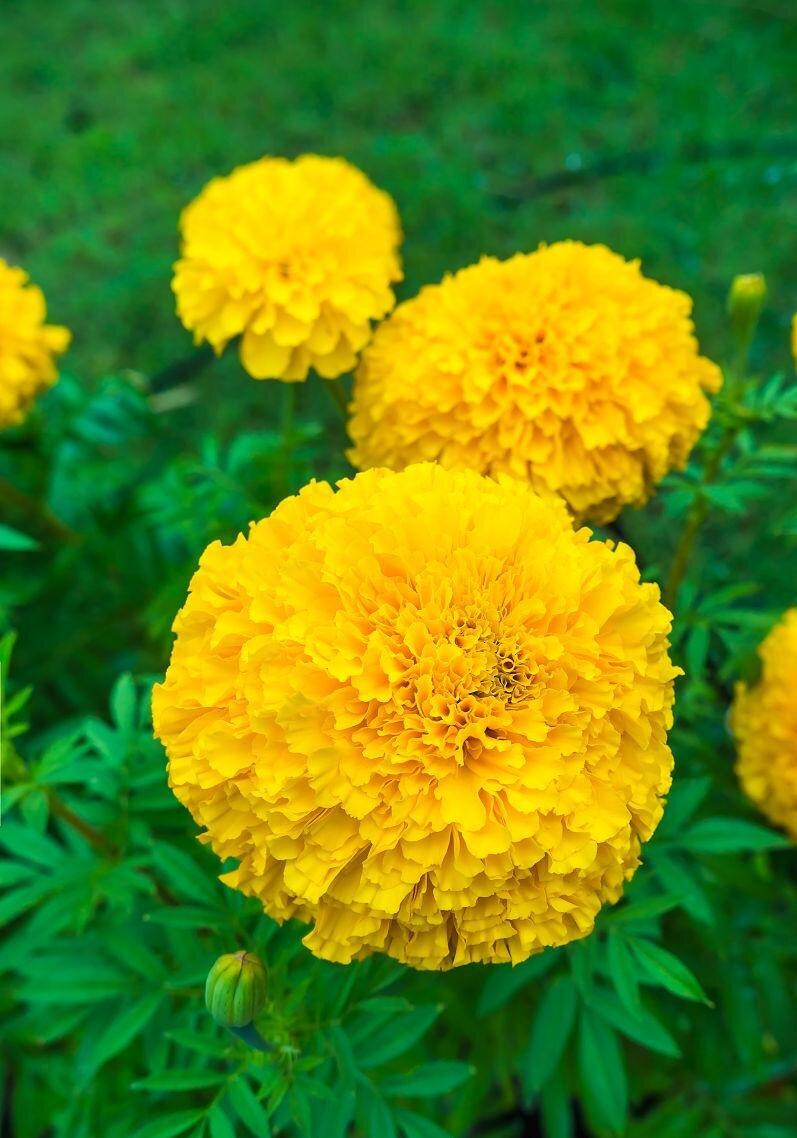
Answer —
764 722
28 346
295 257
423 713
565 366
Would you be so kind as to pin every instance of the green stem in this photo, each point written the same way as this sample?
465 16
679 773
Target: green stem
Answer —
36 513
699 510
338 395
287 430
251 1037
92 835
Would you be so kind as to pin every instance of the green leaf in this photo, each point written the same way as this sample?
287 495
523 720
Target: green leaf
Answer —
200 1043
677 878
414 1125
602 1073
557 1115
731 835
505 980
181 1080
15 542
169 1125
338 1117
666 970
251 1112
639 912
124 703
30 845
437 1077
183 875
185 917
623 972
550 1032
220 1125
396 1037
377 1115
125 1027
643 1028
682 802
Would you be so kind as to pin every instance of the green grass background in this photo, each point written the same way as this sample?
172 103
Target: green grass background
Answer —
667 130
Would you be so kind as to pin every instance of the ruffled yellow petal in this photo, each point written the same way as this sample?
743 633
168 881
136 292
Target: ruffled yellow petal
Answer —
566 367
424 714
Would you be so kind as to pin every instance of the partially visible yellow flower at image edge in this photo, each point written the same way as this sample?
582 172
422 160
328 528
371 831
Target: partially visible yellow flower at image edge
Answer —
423 713
764 721
28 346
794 338
566 367
295 257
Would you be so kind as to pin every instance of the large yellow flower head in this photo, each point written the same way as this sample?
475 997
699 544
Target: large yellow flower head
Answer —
424 713
28 346
295 257
566 367
764 720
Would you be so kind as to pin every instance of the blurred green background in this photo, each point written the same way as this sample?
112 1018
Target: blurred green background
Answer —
665 130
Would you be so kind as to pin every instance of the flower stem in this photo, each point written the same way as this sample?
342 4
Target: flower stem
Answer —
287 430
251 1037
339 397
35 512
92 835
699 509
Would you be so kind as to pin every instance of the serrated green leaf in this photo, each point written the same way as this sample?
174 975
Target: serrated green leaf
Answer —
249 1110
665 969
396 1037
623 970
505 981
170 1125
550 1032
602 1073
202 1044
181 1080
730 835
220 1125
643 1028
437 1077
130 1022
557 1115
124 703
13 541
377 1116
414 1125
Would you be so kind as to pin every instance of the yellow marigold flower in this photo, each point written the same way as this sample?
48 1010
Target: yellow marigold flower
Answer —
28 346
764 721
565 366
424 713
296 257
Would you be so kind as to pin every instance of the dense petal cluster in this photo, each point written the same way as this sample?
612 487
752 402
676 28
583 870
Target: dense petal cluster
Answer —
565 366
295 257
764 720
28 346
424 713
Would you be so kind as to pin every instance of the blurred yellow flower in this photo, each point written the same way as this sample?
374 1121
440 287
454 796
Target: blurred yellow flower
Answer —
295 257
565 366
764 721
28 346
423 713
794 338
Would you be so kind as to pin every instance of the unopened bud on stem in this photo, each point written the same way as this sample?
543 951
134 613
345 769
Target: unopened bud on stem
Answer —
745 301
235 990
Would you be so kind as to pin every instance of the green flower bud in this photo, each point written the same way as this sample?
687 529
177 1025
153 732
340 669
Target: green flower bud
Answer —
745 301
235 990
